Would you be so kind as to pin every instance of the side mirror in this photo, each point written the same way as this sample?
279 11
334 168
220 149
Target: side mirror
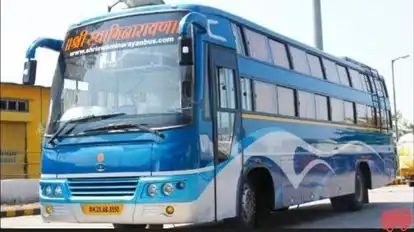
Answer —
29 72
186 51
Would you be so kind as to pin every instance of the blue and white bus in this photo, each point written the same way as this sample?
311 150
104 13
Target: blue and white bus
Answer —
169 114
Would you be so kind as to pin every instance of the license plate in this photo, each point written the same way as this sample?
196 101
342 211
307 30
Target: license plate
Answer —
102 209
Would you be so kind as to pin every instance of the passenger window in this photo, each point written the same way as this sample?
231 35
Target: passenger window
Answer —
379 87
299 60
238 39
226 88
355 79
362 114
246 91
367 84
384 88
257 44
286 101
266 97
321 107
306 105
385 120
331 71
363 83
315 66
343 75
371 116
337 110
379 117
279 53
349 112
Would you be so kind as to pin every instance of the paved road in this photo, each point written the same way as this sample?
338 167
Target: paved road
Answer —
313 215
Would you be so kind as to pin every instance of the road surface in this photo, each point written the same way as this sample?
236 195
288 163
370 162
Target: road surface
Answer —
312 215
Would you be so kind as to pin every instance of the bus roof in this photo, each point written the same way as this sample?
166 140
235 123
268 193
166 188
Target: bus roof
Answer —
214 11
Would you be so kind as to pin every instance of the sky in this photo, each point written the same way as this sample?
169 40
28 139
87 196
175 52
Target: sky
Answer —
371 31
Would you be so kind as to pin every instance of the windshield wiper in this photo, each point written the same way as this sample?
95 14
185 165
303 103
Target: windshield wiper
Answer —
123 126
82 119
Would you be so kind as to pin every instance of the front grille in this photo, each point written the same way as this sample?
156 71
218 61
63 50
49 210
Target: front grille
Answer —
103 187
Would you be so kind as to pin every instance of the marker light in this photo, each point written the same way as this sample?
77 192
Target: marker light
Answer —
49 209
152 190
58 191
48 190
168 189
169 210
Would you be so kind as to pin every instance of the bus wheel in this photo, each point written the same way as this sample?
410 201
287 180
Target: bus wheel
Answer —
247 215
355 201
127 227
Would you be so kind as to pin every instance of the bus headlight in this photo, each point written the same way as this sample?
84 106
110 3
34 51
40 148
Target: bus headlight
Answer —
168 189
58 190
48 190
152 190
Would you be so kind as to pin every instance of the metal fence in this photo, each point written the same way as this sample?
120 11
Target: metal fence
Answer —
16 165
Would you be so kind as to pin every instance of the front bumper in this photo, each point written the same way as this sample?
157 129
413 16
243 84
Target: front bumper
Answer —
131 214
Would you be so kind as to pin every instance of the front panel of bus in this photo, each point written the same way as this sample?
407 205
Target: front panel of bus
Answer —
121 128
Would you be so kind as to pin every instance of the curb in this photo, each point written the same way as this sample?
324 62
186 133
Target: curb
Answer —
19 213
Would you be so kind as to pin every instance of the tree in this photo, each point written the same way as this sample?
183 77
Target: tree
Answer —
404 126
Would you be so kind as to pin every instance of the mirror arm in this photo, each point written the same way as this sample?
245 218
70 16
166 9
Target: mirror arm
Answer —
52 44
196 19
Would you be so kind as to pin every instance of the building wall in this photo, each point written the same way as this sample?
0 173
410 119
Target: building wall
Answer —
20 129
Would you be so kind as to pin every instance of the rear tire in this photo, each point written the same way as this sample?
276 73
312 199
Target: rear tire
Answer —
355 201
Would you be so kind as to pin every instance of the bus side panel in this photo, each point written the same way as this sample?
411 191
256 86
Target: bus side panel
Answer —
312 162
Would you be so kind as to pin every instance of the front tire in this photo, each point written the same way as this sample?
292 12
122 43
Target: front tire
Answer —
253 208
355 201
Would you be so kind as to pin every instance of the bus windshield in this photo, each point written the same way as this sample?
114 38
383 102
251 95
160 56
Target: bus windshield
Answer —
127 66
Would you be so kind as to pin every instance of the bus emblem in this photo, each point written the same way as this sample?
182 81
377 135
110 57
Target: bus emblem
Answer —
100 158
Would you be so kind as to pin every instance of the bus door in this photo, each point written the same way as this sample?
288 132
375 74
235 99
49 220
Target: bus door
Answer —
226 120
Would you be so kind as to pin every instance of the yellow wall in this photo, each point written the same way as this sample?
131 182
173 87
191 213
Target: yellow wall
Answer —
38 98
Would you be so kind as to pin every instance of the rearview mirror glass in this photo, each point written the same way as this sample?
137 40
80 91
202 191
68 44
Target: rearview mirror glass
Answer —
29 72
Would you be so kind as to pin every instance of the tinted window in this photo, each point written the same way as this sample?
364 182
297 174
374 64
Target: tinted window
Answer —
363 82
226 88
380 90
355 78
286 101
371 116
315 66
379 117
337 110
321 107
330 71
257 44
246 91
238 39
385 120
367 83
349 112
299 60
362 114
279 53
343 75
306 105
266 97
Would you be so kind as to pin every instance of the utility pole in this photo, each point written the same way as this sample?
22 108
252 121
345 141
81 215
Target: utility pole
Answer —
317 24
393 91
